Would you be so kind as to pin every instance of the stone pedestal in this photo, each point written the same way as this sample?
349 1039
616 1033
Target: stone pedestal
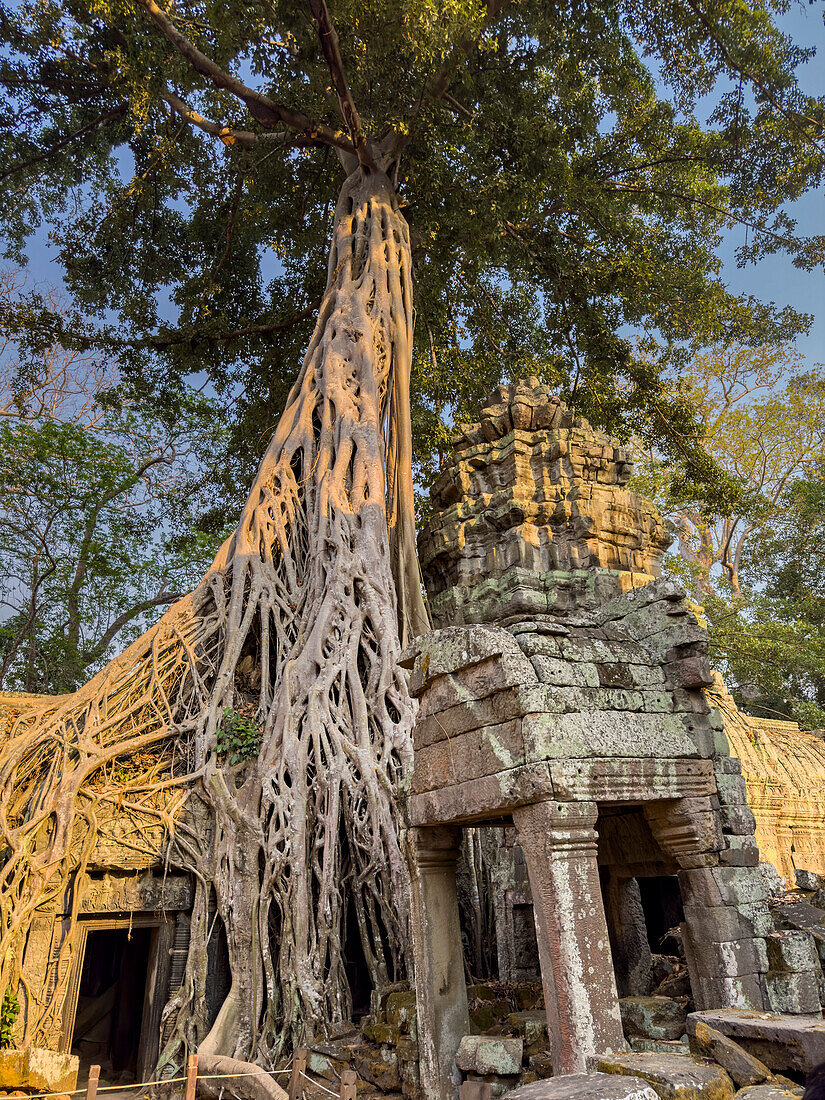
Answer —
559 843
441 992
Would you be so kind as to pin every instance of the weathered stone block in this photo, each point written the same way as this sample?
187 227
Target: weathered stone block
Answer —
740 851
564 673
794 993
792 951
490 1054
585 1086
769 1092
531 1026
742 1067
738 820
36 1069
781 1042
652 1017
737 957
808 880
739 885
672 1076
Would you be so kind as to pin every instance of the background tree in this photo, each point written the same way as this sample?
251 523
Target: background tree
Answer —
98 506
761 417
770 642
518 168
755 567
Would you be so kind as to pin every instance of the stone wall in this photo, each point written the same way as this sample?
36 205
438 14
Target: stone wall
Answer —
784 770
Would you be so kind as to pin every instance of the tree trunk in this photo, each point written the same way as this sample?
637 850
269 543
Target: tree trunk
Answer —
296 626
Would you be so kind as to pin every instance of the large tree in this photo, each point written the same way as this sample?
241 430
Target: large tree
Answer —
513 173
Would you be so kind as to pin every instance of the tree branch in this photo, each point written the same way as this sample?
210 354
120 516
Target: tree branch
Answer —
438 86
331 48
97 651
261 107
93 125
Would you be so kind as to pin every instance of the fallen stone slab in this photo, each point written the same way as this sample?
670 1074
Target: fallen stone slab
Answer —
672 1076
37 1069
743 1067
585 1086
652 1018
485 1054
795 1043
768 1092
807 880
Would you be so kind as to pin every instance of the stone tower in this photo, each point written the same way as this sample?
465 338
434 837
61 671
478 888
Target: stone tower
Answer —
533 515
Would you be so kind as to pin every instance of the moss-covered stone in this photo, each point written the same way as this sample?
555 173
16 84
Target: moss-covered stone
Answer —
672 1076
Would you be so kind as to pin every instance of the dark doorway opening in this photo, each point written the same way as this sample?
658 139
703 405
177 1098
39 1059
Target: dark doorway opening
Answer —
111 995
663 910
355 964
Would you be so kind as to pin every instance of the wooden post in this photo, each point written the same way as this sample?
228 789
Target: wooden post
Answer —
348 1080
299 1066
191 1077
91 1086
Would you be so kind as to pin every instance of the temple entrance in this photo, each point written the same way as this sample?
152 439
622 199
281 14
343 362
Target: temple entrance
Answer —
117 992
641 897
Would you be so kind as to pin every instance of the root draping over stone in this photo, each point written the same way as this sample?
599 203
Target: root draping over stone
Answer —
295 626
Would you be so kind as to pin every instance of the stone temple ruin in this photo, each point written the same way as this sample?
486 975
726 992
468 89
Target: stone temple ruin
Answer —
567 697
568 711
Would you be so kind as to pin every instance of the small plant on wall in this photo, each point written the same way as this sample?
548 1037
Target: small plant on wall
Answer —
8 1016
239 738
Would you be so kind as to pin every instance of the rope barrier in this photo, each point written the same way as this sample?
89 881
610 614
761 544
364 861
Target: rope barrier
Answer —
323 1088
159 1081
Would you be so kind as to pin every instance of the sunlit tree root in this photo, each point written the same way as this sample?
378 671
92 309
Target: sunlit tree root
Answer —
296 624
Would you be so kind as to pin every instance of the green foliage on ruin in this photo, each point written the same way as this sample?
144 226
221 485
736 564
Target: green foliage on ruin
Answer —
9 1011
239 738
567 171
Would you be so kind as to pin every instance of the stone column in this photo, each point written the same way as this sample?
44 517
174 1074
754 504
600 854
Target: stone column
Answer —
559 843
628 935
441 993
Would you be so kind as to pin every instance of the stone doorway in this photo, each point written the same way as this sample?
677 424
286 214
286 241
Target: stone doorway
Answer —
117 991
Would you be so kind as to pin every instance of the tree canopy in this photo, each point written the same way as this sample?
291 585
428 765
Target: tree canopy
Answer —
566 170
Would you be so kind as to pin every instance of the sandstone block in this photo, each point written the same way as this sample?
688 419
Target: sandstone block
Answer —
658 1046
808 880
672 1076
769 1092
792 951
738 820
38 1070
783 1043
531 1026
490 1054
652 1018
794 993
742 1067
585 1086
